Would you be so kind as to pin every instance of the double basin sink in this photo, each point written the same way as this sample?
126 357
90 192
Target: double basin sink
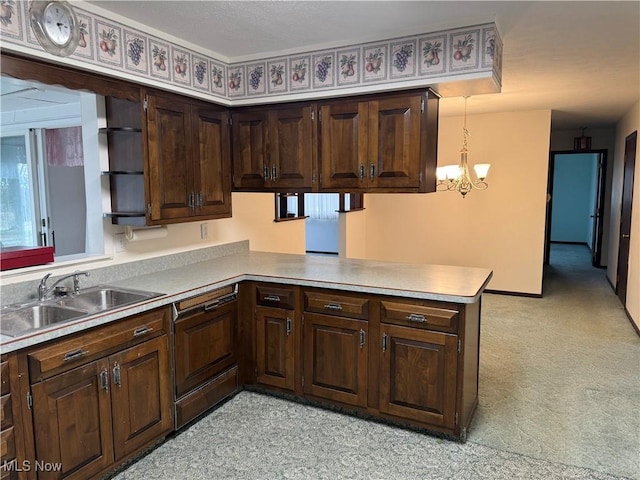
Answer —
17 320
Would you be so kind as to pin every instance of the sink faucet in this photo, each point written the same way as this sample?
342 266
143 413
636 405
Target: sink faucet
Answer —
44 291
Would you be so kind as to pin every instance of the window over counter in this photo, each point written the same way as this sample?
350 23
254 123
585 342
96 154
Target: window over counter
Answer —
50 189
322 206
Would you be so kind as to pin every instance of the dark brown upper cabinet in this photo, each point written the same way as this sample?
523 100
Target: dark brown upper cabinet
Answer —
385 143
273 148
189 160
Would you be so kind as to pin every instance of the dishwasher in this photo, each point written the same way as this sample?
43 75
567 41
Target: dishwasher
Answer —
205 334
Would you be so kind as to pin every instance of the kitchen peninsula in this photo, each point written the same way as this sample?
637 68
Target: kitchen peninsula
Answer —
395 342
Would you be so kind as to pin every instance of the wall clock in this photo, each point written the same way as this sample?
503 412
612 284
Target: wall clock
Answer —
55 26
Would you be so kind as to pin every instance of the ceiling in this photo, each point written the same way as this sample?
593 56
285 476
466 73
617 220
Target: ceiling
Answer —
581 60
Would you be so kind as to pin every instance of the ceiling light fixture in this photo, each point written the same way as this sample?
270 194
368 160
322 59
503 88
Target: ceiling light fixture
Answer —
456 178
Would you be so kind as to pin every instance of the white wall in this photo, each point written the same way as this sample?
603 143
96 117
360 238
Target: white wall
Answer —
501 228
627 125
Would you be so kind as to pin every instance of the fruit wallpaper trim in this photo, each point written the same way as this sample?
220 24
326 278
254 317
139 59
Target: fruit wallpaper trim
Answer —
460 54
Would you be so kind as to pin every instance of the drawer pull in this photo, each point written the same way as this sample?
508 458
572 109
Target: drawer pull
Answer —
333 306
272 298
414 317
141 331
288 326
384 342
75 354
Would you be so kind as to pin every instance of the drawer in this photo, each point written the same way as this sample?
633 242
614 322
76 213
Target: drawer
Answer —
275 296
336 304
70 353
199 401
420 314
6 416
4 378
7 444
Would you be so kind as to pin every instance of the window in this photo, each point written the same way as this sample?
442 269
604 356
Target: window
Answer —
50 190
321 206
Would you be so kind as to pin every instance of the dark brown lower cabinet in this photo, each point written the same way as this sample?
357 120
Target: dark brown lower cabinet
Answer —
275 347
418 372
140 395
88 417
72 419
336 358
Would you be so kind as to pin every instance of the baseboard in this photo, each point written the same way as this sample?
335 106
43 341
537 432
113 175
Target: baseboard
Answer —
514 294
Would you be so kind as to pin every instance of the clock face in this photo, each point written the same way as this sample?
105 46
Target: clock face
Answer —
57 24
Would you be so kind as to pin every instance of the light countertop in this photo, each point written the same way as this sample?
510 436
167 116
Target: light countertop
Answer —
430 282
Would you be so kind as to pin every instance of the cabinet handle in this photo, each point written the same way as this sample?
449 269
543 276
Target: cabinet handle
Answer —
104 380
141 331
384 342
266 172
191 200
333 306
414 317
624 235
75 354
272 298
274 173
372 171
363 338
200 202
361 171
288 326
116 375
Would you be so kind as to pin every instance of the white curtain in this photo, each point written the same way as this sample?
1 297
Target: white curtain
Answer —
322 206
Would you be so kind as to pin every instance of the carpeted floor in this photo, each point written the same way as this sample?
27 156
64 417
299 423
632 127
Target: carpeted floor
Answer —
559 399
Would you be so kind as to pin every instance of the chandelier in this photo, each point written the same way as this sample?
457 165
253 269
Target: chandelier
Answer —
457 178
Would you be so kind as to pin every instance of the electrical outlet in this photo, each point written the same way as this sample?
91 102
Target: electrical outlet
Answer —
204 230
121 242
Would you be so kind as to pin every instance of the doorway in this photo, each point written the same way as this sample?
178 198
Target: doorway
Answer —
575 201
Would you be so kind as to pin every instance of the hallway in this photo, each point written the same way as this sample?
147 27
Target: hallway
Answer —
560 375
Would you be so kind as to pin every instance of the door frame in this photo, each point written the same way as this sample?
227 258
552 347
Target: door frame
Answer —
626 205
598 231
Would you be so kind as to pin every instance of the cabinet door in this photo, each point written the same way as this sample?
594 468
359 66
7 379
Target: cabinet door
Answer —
418 374
72 422
291 147
275 347
212 162
343 145
249 149
141 395
205 345
170 159
335 358
394 142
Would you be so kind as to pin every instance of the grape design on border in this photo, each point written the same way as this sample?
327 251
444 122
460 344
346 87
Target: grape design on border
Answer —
199 71
322 68
256 76
401 57
136 49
